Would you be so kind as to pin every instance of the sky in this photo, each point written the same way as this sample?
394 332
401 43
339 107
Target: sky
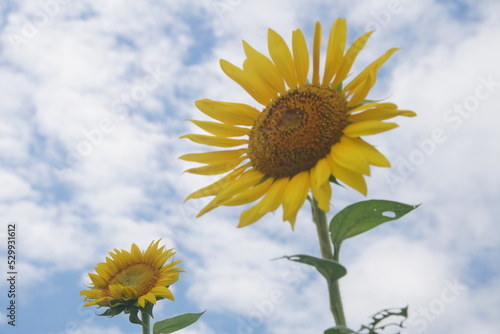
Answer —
94 96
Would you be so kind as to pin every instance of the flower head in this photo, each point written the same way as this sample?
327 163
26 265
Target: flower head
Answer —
307 133
128 280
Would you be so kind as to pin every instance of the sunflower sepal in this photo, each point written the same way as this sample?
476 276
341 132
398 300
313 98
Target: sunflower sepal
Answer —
134 314
113 310
333 179
129 307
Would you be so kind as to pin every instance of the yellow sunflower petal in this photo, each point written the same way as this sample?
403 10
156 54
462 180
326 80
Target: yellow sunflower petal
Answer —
219 129
352 179
368 128
97 280
347 155
359 94
377 105
164 292
373 67
162 257
250 195
94 294
244 181
150 297
169 278
264 68
320 185
377 114
322 195
254 76
373 156
215 187
209 157
103 272
349 58
271 201
115 291
316 52
321 172
92 303
250 216
300 56
228 112
294 196
282 58
214 203
214 140
335 49
135 252
243 79
217 167
274 196
152 249
128 292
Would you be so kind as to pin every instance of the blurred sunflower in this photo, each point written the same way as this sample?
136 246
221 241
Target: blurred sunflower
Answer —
308 133
128 280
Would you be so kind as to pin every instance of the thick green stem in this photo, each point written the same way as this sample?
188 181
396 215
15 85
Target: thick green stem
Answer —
145 319
319 217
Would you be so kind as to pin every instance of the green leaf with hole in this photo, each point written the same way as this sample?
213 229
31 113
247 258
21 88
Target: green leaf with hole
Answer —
171 325
360 217
331 270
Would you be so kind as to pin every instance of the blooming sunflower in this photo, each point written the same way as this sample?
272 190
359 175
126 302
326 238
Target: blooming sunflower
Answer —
130 279
307 132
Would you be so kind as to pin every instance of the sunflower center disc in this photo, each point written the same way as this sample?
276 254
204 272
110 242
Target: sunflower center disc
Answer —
296 130
141 277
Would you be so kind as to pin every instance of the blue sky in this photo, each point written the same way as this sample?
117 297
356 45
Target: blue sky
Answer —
94 96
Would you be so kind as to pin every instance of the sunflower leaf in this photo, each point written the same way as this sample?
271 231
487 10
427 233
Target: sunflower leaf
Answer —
360 217
339 330
171 325
331 270
380 321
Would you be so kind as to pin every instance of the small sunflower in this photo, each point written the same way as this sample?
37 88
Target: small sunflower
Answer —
306 133
130 279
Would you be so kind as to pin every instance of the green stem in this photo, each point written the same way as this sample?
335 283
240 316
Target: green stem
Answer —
319 217
145 319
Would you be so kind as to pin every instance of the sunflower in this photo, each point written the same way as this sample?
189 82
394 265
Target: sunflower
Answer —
130 279
307 133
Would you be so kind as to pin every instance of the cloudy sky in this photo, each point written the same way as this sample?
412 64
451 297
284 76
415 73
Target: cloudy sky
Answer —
93 98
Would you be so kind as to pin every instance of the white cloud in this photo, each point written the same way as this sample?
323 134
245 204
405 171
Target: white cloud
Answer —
97 330
14 188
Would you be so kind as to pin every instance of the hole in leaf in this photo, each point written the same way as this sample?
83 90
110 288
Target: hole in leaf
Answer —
389 214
